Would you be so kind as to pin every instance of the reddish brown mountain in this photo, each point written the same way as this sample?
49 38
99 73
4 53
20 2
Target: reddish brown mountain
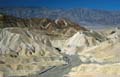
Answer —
58 25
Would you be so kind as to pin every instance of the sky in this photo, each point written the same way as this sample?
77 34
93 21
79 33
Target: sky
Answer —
65 4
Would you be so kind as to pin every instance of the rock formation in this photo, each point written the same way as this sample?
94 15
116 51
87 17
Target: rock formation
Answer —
101 59
83 40
26 45
43 47
25 52
51 26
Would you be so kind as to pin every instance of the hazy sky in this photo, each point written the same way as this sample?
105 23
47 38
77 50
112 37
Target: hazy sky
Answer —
99 4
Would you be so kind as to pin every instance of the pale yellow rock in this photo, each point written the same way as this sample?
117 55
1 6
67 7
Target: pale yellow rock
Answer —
24 52
82 41
95 70
1 74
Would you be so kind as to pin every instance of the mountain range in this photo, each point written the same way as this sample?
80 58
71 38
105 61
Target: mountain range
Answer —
83 16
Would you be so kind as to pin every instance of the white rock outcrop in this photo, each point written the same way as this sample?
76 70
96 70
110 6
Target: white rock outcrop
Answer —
81 41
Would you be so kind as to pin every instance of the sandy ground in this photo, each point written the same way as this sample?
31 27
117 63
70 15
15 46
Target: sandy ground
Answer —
61 71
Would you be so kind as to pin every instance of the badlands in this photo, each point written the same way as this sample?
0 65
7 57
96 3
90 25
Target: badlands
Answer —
56 48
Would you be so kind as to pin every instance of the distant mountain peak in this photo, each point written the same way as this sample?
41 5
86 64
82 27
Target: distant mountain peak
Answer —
91 17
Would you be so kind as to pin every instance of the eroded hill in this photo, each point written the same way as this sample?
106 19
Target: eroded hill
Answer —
41 47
